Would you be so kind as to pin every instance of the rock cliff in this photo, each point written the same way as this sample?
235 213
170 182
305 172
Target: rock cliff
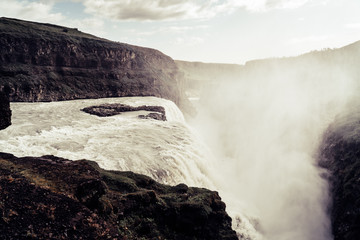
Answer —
340 155
39 199
204 79
44 62
5 112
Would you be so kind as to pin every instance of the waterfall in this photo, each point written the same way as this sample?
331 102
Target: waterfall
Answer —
167 151
264 129
253 142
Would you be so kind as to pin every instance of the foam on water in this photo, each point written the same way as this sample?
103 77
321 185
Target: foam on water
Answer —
171 152
167 151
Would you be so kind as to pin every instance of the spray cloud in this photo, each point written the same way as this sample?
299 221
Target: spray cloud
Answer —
264 127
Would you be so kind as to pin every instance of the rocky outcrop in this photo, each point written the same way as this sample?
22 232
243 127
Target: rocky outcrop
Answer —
156 116
106 110
340 155
54 198
5 112
44 62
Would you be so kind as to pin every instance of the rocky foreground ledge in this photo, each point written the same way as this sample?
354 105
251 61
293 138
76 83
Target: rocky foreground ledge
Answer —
54 198
340 155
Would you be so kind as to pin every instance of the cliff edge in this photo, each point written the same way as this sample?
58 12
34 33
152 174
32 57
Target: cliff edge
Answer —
45 62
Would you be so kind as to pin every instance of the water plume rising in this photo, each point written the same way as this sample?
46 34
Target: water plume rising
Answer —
265 126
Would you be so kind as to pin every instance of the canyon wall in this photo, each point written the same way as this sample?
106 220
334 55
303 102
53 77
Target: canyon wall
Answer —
44 62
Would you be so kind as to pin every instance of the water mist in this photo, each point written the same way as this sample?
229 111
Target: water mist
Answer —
264 129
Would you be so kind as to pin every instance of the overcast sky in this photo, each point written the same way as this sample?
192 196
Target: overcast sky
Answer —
227 31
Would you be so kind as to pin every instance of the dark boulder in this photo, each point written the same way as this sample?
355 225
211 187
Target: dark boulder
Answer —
5 112
54 198
106 110
156 116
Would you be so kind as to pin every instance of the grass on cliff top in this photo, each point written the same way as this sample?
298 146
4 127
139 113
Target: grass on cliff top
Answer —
49 32
11 25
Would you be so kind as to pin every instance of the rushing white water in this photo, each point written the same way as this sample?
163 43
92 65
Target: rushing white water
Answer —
167 151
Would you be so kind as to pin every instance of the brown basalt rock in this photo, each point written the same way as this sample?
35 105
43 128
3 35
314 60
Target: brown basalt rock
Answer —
53 198
5 112
339 154
106 110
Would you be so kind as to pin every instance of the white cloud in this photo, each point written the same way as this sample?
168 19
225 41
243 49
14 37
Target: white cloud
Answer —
309 39
43 11
30 10
170 30
265 5
154 10
142 10
353 25
158 10
285 4
182 29
189 41
90 25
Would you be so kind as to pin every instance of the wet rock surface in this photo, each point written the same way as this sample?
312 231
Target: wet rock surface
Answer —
106 110
5 112
53 198
340 155
156 116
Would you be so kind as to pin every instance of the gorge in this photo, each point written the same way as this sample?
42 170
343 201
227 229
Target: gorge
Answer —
267 137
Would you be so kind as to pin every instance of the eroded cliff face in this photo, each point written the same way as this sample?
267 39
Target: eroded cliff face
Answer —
43 62
41 200
5 112
340 155
204 79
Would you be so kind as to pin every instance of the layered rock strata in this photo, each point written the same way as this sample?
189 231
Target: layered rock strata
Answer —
44 62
